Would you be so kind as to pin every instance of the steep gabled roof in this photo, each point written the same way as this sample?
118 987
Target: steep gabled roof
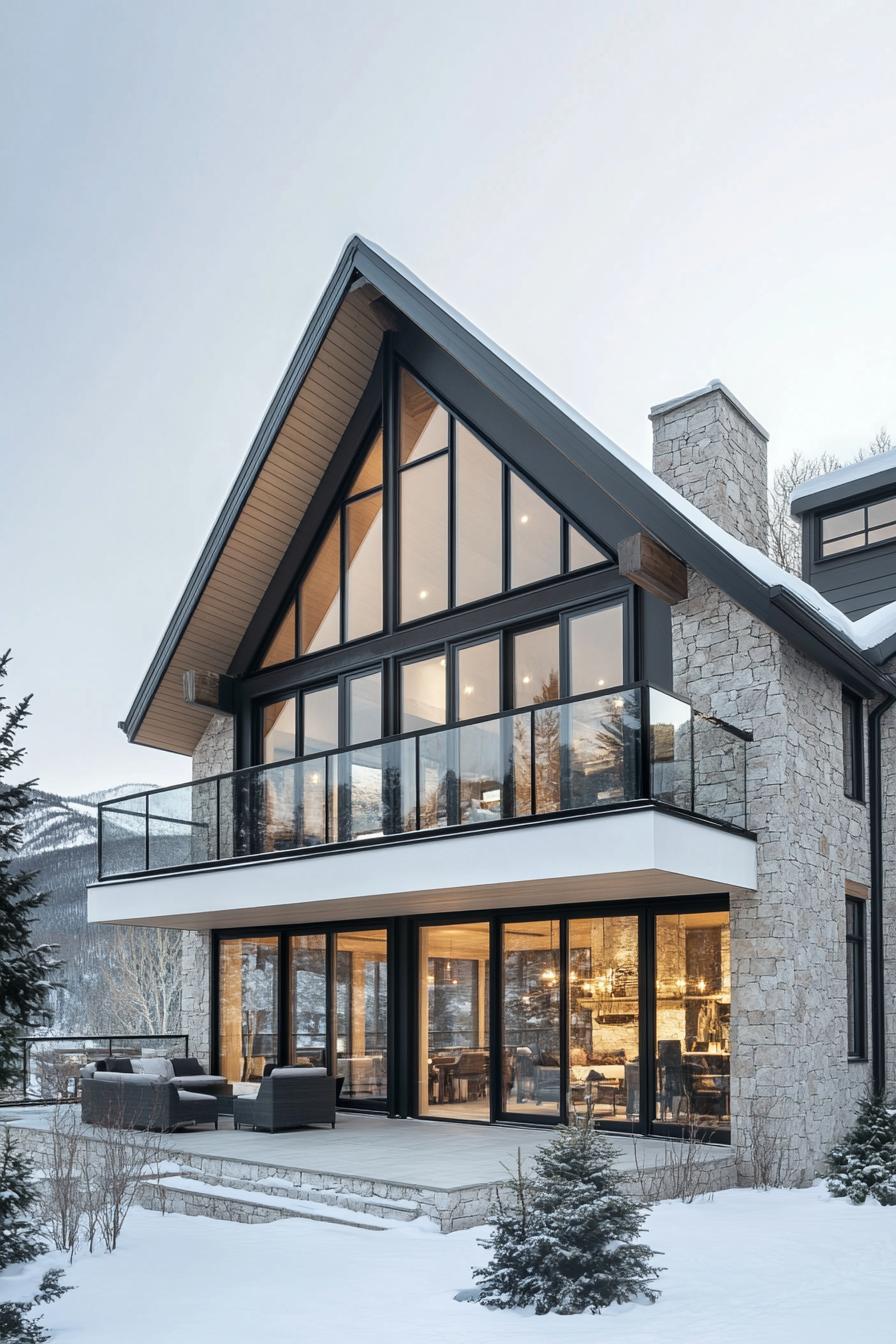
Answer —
306 420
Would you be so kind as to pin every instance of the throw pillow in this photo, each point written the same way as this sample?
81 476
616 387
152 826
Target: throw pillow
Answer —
154 1068
187 1068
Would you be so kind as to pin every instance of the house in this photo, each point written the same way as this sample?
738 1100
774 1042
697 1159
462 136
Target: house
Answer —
521 775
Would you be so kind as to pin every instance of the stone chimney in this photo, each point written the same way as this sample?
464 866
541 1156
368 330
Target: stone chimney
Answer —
711 450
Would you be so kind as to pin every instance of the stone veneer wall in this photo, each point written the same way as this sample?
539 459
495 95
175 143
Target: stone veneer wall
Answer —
888 758
213 756
788 1036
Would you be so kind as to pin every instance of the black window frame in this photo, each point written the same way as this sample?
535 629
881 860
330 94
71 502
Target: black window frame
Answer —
856 981
852 728
866 532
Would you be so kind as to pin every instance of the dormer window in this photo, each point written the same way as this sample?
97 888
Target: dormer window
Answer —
857 528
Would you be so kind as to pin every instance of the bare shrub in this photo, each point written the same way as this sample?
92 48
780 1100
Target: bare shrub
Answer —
765 1147
682 1174
92 1178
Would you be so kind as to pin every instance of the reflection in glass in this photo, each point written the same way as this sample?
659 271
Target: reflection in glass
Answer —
424 426
454 1008
247 989
282 648
604 1072
602 733
478 679
534 536
364 566
530 1055
320 720
278 786
671 746
308 999
693 1019
424 539
536 666
362 1014
481 772
596 650
423 693
479 523
319 605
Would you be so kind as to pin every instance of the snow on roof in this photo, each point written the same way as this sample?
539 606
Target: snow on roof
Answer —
864 634
844 476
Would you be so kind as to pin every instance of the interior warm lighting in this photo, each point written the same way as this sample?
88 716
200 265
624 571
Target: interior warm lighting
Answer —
617 704
441 662
601 681
315 778
423 594
701 985
526 679
468 690
524 517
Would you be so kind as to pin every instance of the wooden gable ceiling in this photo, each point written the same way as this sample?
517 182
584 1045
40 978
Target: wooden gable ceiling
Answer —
264 527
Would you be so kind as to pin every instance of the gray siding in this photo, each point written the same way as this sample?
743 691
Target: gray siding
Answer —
858 582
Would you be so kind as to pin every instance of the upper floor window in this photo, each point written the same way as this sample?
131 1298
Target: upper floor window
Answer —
853 760
468 528
857 528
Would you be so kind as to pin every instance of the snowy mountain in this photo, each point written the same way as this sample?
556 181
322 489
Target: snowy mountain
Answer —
57 822
59 845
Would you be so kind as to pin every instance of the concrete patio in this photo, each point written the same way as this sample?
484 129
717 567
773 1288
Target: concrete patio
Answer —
371 1165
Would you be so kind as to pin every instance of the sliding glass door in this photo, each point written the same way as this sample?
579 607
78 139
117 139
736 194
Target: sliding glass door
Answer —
531 1073
453 1006
362 1015
248 980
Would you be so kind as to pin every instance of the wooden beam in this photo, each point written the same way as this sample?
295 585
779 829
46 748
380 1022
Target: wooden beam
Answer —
652 567
857 889
210 690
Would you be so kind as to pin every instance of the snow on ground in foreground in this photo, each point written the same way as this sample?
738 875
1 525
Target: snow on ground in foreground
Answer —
748 1265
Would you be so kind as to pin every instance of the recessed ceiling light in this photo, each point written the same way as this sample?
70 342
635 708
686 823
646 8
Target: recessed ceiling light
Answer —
468 690
601 682
524 517
441 662
423 594
526 679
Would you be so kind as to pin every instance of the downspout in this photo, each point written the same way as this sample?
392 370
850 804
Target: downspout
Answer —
875 791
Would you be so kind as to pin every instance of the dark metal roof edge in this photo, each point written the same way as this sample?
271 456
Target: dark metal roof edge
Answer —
267 432
844 492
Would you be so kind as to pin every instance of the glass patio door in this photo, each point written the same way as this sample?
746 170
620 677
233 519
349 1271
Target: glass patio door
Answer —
530 1066
362 1015
454 1073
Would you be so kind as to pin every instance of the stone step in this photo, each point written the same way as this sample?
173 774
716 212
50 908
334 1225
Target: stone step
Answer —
196 1198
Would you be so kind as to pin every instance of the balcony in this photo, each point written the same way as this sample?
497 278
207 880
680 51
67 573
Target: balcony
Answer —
575 758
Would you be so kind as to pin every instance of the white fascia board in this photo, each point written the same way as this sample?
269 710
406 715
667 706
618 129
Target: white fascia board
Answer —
601 856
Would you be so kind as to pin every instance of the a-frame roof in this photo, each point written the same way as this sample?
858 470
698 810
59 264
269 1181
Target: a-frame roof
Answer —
302 428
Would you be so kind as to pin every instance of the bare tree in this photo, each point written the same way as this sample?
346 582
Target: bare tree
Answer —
784 542
143 980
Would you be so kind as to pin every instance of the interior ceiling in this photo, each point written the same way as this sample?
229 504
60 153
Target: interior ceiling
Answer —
276 505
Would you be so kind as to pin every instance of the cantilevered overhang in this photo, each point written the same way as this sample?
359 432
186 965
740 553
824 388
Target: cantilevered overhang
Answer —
633 854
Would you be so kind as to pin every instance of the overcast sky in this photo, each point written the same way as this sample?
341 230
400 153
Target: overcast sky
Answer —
632 199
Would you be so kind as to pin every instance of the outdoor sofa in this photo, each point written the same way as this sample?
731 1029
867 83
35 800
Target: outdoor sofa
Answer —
143 1101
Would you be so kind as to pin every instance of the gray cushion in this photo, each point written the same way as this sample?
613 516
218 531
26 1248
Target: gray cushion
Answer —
297 1071
200 1080
88 1070
154 1067
131 1079
191 1097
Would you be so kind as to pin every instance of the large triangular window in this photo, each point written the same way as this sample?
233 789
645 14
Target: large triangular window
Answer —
469 528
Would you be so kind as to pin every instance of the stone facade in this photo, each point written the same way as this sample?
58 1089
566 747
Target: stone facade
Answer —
714 453
789 1068
213 756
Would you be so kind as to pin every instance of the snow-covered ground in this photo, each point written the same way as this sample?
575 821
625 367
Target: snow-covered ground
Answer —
794 1266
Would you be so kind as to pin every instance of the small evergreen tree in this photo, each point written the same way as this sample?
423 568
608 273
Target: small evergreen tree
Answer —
25 974
865 1162
567 1239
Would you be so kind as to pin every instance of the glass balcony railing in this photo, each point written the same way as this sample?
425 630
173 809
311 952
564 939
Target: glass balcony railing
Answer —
582 754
